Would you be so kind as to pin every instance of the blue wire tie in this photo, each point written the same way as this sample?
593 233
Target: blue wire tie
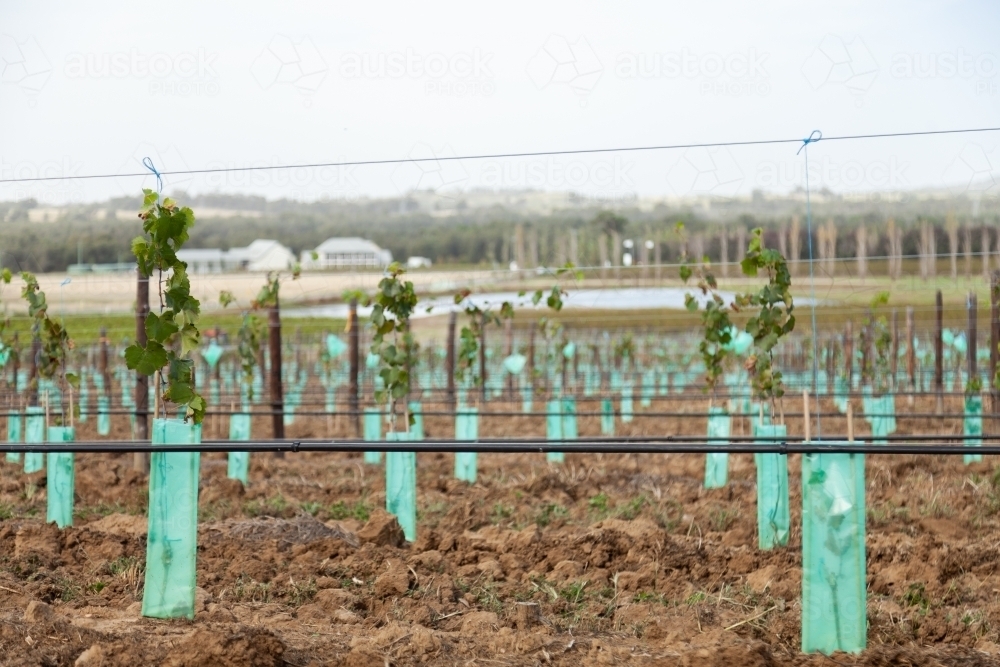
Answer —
148 163
813 137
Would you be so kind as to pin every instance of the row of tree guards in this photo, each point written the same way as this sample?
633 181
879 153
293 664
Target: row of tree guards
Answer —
833 485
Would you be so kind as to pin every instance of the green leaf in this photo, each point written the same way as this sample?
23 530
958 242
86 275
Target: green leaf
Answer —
160 328
73 379
146 361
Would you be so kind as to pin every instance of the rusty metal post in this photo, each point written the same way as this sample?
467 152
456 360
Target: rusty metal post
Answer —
354 360
277 394
140 460
939 352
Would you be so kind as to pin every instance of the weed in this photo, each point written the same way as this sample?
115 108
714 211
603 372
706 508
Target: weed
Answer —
574 592
96 586
129 570
549 513
632 508
721 519
300 592
488 597
599 503
6 511
247 589
275 506
359 511
311 508
916 596
936 508
500 513
696 597
69 591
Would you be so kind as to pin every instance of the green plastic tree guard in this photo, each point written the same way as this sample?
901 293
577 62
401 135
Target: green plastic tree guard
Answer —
103 418
13 435
466 428
569 426
60 480
417 429
607 417
401 485
973 427
554 428
239 462
628 410
34 433
717 463
834 595
373 433
172 539
773 522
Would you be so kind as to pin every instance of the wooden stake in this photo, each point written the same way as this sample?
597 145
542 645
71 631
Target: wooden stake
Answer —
354 359
140 460
939 352
807 416
850 422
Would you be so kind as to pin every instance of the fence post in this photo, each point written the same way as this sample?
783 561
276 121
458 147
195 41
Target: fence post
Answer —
972 305
849 353
894 362
482 355
508 349
277 396
939 352
354 341
140 460
449 361
994 340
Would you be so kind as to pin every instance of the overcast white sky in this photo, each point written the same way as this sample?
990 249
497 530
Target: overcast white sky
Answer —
94 87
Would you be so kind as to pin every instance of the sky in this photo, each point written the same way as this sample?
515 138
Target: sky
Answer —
93 88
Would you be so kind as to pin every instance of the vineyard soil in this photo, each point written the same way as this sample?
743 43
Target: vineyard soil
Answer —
607 559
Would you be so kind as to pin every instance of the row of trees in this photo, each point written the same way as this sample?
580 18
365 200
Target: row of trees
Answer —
499 236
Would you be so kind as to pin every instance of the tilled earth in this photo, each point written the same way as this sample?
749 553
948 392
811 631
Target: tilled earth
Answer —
605 559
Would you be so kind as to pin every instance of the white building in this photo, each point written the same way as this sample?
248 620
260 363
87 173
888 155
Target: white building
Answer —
344 253
416 262
260 256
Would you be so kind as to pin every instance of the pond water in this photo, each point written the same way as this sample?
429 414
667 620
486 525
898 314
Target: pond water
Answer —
628 298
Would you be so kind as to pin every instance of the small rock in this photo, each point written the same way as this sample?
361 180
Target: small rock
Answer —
491 569
219 614
37 612
480 621
346 617
382 529
566 570
396 580
201 599
331 599
92 657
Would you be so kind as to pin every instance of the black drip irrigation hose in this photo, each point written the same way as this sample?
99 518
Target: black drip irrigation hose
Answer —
491 446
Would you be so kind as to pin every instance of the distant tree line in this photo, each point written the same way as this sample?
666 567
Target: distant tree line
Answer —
497 236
